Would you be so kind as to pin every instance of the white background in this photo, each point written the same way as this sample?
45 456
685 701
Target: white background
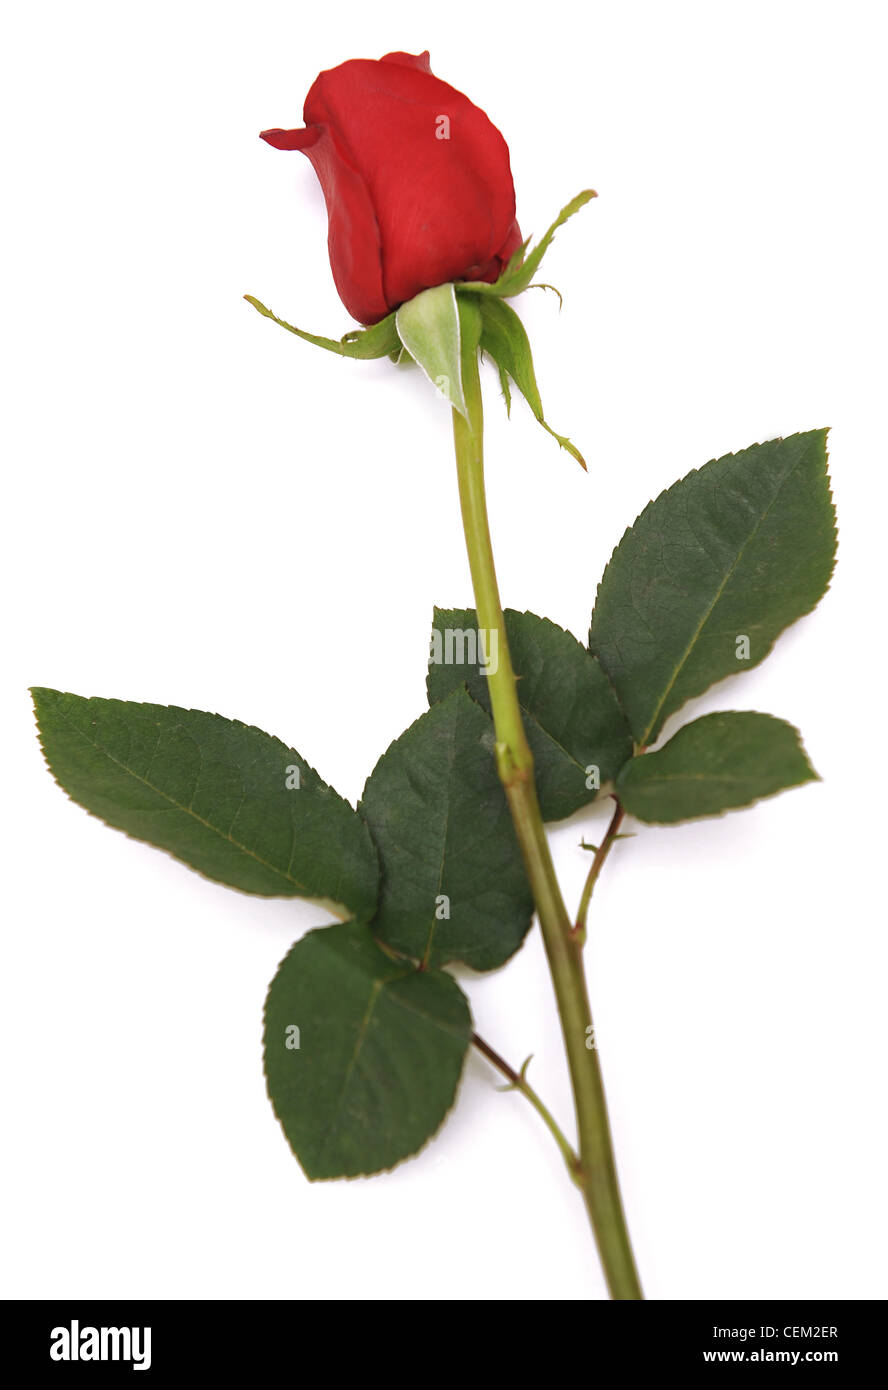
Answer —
204 511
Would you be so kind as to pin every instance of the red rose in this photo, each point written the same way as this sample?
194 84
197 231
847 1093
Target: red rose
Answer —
416 179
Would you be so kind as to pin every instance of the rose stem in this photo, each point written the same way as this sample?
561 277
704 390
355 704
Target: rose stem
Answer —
598 1176
518 1082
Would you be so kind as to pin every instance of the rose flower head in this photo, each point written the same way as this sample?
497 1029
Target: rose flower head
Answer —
416 180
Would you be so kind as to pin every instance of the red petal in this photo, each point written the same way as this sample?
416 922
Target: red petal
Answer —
509 246
353 232
290 139
419 61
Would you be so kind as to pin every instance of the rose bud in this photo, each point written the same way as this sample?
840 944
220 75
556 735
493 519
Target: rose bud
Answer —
416 180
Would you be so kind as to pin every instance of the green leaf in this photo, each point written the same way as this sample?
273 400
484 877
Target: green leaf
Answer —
522 267
380 340
716 764
429 328
453 883
214 793
573 722
710 574
504 338
363 1054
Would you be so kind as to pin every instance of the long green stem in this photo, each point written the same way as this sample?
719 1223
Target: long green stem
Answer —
597 1176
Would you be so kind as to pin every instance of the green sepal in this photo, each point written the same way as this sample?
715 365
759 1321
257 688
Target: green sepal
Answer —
505 389
523 267
380 340
504 338
429 326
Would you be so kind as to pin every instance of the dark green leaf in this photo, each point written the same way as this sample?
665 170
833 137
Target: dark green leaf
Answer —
573 722
453 883
736 550
381 340
214 793
363 1054
504 338
716 764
